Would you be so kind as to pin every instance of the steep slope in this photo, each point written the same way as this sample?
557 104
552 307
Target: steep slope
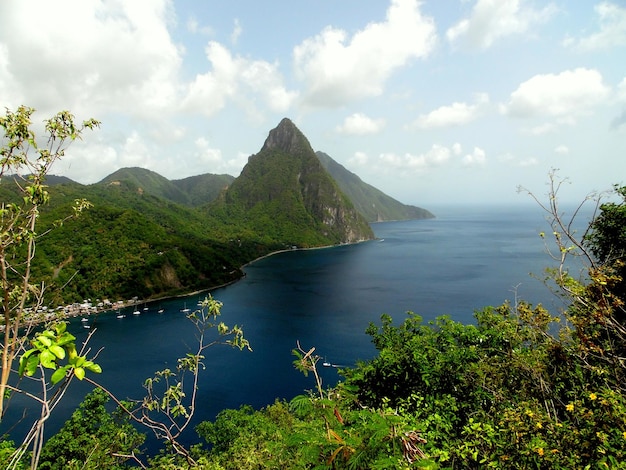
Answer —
375 205
284 194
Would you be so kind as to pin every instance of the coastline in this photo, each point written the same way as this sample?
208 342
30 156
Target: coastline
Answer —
73 311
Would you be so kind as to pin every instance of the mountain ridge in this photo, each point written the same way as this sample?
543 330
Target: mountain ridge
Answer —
199 190
147 236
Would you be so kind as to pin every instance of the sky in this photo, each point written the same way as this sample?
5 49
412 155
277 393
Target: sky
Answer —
432 102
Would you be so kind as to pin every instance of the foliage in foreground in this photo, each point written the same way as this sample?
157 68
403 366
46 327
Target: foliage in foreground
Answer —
521 388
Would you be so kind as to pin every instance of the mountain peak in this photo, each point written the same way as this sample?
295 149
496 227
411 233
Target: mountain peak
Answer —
287 138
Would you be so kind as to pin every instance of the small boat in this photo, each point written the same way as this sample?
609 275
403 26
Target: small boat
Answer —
120 315
136 312
185 309
161 310
87 326
84 319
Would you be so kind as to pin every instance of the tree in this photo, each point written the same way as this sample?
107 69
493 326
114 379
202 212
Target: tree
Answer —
170 401
596 299
92 438
47 352
26 163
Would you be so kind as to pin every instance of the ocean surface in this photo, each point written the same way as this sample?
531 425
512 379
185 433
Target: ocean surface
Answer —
463 260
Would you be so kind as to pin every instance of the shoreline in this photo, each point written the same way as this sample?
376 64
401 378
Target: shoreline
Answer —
86 309
226 284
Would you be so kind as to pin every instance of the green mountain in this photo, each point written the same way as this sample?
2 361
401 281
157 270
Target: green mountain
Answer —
284 193
149 182
192 191
204 188
147 236
375 205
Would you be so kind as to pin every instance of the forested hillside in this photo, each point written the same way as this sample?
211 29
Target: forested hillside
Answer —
132 244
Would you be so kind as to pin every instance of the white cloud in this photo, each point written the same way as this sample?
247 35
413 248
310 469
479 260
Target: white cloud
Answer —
492 20
134 152
561 150
514 161
205 153
230 78
360 124
567 94
530 161
91 57
194 27
621 90
619 122
359 159
436 156
337 69
87 161
612 31
452 115
476 158
237 30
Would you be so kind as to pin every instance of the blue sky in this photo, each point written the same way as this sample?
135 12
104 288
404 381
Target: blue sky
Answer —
431 102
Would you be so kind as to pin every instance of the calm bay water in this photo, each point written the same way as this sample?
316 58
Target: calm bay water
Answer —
461 261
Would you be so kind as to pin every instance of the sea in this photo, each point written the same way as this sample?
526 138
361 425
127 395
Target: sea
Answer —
463 260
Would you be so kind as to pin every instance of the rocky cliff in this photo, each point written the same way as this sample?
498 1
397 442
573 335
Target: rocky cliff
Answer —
285 193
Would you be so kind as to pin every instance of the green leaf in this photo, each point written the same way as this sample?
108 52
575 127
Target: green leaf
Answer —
47 359
79 372
44 340
95 368
58 375
31 364
24 360
58 351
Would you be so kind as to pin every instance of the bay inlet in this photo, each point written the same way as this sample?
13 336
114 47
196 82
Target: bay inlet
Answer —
463 260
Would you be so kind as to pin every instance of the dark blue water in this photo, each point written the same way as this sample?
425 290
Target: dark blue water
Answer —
461 261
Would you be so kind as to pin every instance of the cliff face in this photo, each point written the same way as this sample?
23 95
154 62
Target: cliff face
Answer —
285 193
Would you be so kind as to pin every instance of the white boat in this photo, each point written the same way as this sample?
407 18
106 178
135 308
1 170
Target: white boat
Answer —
136 312
185 309
120 315
161 310
84 319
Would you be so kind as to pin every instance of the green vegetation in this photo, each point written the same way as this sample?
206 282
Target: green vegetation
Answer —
92 438
285 194
520 388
